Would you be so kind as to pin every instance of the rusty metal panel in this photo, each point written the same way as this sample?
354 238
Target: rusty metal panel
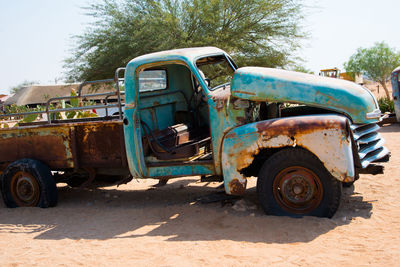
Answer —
51 145
99 144
66 145
326 136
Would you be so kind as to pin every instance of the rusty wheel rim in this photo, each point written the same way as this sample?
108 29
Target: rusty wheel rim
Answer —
298 190
24 189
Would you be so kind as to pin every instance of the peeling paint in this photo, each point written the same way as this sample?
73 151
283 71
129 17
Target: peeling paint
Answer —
274 85
97 144
236 187
322 135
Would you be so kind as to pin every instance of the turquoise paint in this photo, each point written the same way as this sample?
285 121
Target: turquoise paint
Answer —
181 170
157 112
255 84
223 117
243 143
274 85
132 131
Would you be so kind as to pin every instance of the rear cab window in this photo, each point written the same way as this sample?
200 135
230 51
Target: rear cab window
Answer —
152 80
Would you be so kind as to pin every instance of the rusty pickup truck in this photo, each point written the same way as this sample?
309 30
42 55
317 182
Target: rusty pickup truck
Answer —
193 112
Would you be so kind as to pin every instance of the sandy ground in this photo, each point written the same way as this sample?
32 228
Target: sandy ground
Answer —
378 93
137 225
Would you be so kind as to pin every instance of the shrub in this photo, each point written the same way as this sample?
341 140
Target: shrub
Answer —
386 105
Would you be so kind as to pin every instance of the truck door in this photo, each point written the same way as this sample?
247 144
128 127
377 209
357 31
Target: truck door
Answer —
132 127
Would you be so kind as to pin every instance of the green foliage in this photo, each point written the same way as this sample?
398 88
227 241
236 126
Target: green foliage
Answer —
386 105
30 118
377 63
14 109
255 32
300 68
15 89
74 103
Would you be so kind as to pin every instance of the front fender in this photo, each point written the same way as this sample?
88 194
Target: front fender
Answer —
326 136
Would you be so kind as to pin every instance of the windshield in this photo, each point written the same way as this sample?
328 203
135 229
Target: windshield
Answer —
216 69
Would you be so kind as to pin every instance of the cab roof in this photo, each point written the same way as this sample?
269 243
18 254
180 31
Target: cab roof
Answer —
184 54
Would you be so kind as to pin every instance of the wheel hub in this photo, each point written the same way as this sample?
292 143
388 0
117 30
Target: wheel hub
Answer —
25 189
298 190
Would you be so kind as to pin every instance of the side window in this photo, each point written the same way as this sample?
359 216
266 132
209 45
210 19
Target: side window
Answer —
152 80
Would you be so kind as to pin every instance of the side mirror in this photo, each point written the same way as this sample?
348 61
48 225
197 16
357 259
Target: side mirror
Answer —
208 82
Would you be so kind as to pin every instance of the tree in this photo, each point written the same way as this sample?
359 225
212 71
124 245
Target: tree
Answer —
256 32
15 89
377 63
301 68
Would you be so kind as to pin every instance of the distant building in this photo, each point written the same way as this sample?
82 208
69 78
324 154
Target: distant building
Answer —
34 95
3 98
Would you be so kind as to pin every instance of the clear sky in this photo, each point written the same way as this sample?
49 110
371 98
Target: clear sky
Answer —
35 35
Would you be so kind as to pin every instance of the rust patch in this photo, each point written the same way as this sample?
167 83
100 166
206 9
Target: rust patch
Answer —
244 92
231 135
99 146
219 105
221 97
327 96
49 145
97 143
236 187
293 126
221 94
241 120
245 158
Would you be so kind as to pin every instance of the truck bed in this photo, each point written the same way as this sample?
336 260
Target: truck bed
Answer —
65 145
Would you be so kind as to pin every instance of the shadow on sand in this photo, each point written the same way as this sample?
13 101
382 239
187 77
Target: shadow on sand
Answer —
171 212
390 128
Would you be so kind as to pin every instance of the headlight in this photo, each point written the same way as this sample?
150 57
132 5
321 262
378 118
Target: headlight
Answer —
376 114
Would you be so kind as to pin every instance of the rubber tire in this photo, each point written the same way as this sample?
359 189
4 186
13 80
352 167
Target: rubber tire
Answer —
332 188
42 174
347 185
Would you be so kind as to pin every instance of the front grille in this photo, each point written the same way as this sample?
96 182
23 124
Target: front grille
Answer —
369 143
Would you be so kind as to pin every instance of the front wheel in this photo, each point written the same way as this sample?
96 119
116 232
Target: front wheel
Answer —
293 182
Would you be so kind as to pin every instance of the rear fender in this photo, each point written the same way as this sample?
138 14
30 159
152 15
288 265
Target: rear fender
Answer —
326 136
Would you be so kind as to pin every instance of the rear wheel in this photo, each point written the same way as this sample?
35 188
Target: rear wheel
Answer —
294 182
28 183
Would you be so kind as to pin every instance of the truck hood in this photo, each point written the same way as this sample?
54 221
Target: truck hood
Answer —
275 85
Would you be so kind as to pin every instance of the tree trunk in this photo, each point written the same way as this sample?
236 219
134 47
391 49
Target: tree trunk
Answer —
383 83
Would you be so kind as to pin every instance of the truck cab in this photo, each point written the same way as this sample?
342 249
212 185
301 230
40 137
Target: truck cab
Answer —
193 112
